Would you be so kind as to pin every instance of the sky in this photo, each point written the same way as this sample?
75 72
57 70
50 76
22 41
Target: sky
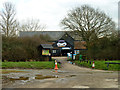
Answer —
51 12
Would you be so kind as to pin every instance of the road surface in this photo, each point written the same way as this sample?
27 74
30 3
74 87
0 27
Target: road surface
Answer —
68 76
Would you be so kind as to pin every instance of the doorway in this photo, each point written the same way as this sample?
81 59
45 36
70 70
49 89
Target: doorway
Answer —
64 52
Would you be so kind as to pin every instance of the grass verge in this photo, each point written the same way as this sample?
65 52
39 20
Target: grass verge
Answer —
29 65
100 65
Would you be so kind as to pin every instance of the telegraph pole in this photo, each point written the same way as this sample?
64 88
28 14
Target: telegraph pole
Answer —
119 19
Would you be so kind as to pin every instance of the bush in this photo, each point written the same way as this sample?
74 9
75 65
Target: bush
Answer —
22 49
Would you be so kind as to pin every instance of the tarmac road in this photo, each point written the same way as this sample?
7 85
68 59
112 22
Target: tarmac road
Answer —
69 76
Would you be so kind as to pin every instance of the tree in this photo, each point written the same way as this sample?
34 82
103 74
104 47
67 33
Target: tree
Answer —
8 23
88 22
31 25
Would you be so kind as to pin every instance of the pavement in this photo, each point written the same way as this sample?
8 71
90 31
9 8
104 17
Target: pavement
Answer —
68 76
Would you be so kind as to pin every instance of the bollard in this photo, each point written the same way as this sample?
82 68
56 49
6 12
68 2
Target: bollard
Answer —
90 62
56 68
93 65
107 65
87 61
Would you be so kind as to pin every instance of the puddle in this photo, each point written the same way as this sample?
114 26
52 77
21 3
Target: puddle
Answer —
59 71
19 78
80 87
38 75
71 76
13 71
45 77
111 79
6 79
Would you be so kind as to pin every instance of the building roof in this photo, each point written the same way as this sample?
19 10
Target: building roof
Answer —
79 45
68 38
46 46
56 48
54 35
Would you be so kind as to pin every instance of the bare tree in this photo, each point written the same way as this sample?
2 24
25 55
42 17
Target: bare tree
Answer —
32 25
8 23
88 22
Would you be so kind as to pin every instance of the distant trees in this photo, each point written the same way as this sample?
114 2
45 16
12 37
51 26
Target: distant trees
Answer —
97 29
9 25
22 49
104 48
8 22
88 22
32 25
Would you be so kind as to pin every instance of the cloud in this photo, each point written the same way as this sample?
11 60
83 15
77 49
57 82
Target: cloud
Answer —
50 12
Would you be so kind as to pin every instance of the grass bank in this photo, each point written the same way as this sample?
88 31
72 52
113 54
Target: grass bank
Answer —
99 65
29 65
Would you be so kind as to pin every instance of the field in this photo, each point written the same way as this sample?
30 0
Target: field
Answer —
99 65
29 65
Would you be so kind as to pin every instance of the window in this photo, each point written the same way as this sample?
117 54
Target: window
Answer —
54 51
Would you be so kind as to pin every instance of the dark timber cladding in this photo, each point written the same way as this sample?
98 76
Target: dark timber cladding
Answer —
47 46
45 50
62 42
63 45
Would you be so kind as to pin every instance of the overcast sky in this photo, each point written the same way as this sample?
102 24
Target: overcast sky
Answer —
51 12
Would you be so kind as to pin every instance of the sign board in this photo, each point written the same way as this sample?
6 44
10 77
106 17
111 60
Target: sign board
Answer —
66 47
45 52
76 51
61 43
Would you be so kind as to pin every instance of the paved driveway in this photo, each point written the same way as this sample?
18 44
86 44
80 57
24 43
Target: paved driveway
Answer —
69 76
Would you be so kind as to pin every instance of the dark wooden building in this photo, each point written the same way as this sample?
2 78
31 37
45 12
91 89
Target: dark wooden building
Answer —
62 42
63 45
45 49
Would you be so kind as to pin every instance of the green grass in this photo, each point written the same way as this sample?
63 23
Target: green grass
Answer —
30 65
100 65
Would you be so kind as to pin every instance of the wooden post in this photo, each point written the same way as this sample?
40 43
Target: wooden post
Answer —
50 54
72 52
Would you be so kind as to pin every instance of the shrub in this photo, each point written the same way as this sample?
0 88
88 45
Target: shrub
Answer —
22 49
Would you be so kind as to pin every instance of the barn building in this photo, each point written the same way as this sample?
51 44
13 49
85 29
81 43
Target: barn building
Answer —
63 42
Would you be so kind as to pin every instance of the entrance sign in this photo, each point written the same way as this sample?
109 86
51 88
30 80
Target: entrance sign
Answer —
45 52
76 51
66 48
61 43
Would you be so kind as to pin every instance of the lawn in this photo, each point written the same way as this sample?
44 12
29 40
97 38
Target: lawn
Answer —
29 65
100 65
